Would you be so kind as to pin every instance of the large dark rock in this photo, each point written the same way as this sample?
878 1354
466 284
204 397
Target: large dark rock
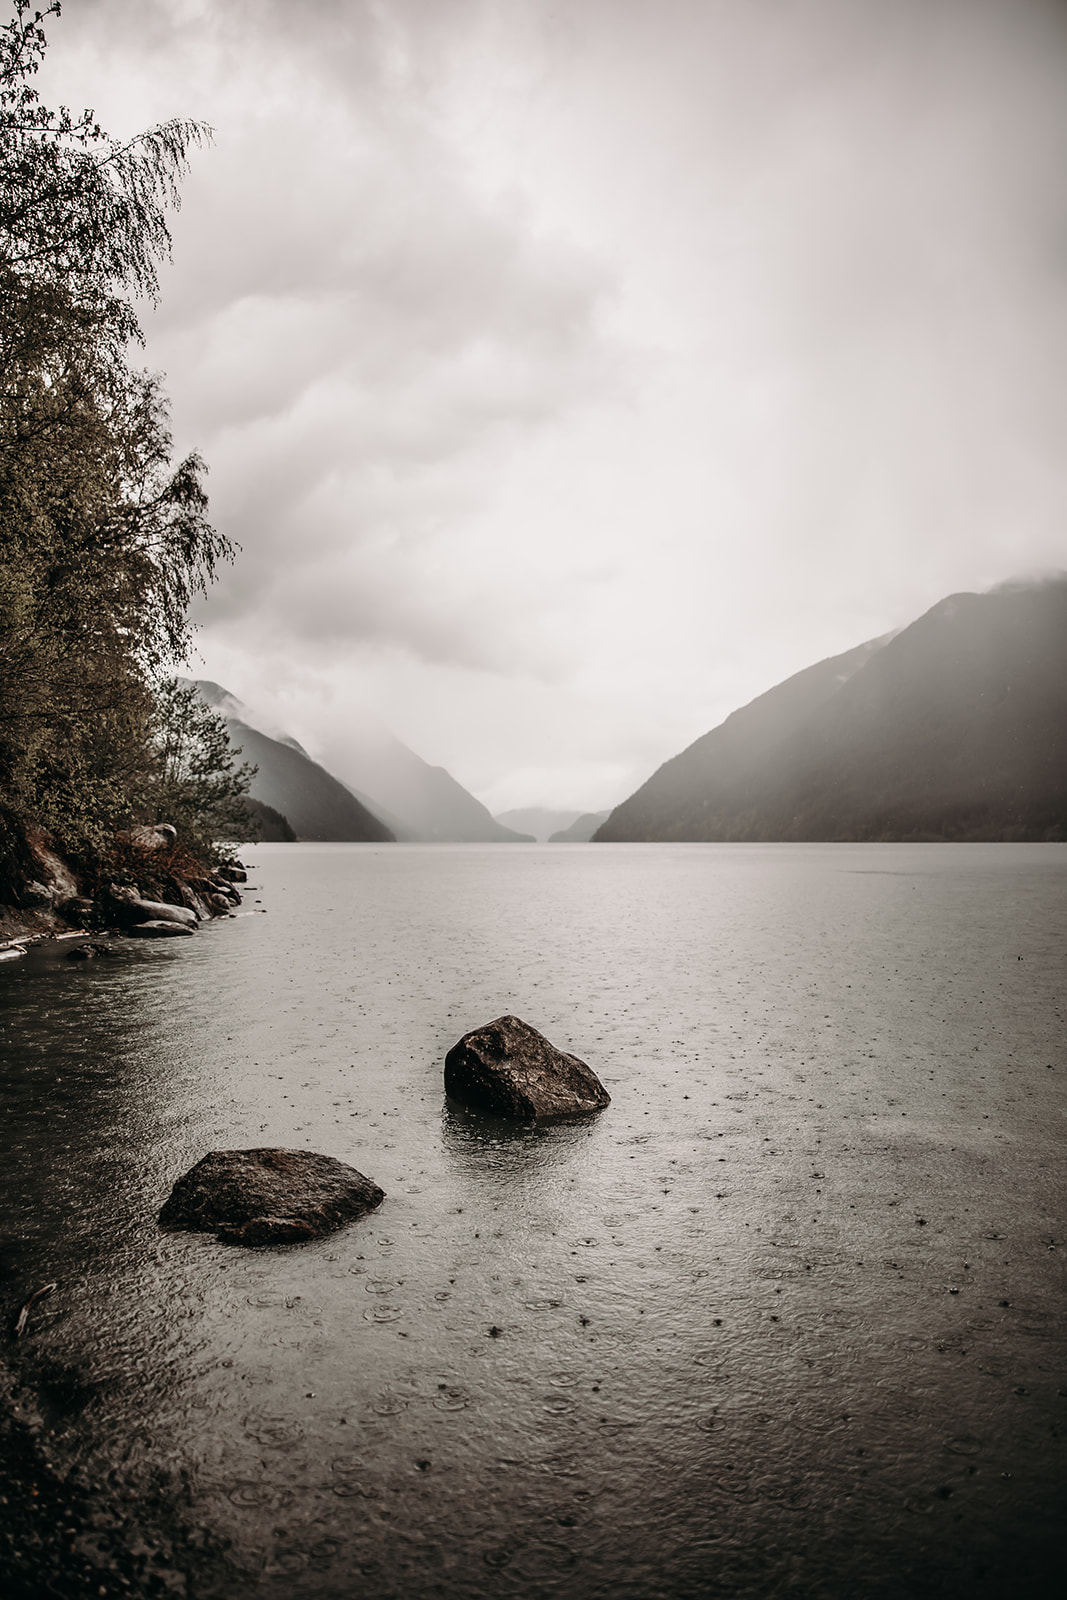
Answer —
509 1069
258 1197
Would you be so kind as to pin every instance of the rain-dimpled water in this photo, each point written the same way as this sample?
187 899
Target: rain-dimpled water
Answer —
784 1320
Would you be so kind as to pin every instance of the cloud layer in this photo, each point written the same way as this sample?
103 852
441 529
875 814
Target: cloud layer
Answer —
569 374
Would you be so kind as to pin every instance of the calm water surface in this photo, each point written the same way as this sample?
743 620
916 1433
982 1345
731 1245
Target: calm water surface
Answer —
785 1320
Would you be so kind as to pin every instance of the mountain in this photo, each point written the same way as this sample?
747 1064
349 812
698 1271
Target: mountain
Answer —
267 825
952 728
309 798
421 802
399 829
581 829
537 820
388 787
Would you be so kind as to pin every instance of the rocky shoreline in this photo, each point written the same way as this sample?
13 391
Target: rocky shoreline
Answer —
156 888
58 1537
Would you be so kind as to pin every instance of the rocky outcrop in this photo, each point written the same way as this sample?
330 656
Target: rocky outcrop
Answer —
51 881
159 836
508 1069
131 909
263 1197
158 879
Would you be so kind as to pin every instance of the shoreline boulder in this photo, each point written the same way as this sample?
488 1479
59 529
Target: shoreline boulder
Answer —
130 908
268 1196
508 1069
149 837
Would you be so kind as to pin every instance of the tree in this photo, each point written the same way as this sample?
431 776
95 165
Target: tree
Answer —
104 540
195 782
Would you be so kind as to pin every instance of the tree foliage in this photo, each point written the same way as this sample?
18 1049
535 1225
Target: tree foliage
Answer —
104 539
195 782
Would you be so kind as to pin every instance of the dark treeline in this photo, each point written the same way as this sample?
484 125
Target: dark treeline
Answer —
104 536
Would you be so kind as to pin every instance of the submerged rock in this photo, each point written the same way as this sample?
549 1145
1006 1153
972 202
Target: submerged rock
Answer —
508 1069
262 1197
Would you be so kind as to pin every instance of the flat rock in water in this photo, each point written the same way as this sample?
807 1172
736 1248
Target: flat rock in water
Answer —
508 1069
161 930
261 1197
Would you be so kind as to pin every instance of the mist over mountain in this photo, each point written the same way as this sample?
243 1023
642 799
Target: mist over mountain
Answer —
386 782
952 728
581 830
539 821
422 802
310 799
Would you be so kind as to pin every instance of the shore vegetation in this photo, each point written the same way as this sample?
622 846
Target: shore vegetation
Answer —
104 535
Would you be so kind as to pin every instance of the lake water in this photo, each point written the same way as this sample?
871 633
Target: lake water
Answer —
785 1320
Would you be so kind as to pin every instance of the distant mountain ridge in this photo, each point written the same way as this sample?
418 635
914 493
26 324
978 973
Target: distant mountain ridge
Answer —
536 821
581 830
952 728
425 803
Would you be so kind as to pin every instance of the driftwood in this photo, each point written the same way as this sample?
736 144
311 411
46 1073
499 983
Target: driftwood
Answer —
24 1314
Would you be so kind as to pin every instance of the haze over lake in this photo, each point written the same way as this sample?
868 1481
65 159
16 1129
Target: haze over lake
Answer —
785 1319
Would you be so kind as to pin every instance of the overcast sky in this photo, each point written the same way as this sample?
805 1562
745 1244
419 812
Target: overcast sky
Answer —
571 371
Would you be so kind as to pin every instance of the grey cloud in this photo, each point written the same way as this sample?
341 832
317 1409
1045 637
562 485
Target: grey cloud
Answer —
353 335
829 236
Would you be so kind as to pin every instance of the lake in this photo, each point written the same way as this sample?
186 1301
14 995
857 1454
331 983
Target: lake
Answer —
785 1320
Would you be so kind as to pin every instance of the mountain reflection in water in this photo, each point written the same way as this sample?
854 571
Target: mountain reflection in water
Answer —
786 1319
